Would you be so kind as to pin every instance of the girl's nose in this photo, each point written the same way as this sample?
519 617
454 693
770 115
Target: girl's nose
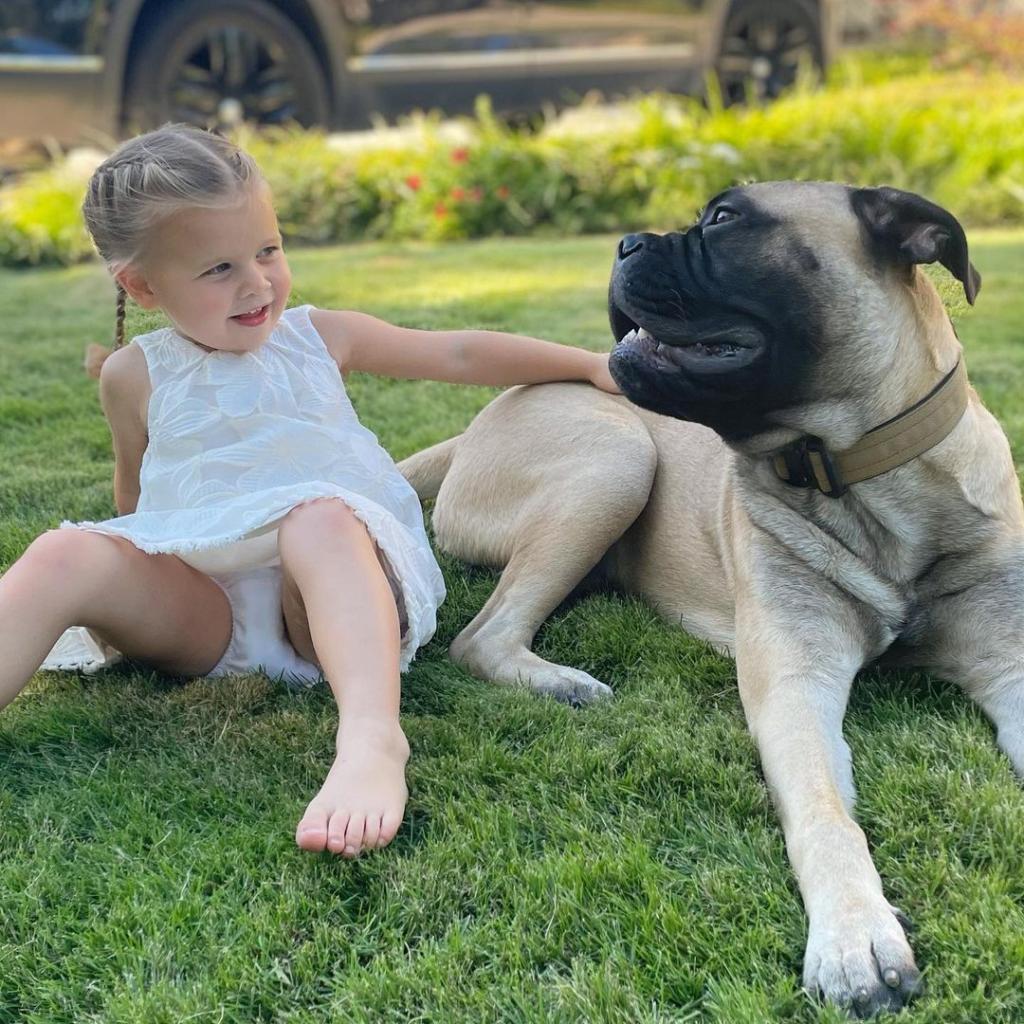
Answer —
256 280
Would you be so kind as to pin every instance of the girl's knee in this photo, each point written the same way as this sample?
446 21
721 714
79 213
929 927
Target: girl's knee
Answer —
323 514
66 555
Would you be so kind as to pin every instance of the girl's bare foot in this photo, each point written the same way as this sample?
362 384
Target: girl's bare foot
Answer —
361 803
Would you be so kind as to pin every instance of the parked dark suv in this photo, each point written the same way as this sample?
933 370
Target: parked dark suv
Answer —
67 66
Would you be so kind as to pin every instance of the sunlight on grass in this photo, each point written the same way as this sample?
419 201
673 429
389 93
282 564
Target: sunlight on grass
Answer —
621 863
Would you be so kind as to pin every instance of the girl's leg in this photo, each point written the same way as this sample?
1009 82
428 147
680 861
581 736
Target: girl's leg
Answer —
341 613
151 607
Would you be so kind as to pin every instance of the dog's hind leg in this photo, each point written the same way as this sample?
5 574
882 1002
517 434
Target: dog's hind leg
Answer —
978 642
427 469
543 483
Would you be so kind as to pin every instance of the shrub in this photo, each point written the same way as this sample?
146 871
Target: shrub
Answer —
962 33
40 220
958 139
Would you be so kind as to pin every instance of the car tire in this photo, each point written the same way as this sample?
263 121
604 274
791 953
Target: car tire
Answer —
764 43
216 64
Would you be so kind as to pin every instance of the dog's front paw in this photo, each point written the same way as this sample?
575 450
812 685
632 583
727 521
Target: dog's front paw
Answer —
859 959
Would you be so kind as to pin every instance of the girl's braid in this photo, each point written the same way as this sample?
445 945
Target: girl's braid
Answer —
119 318
101 188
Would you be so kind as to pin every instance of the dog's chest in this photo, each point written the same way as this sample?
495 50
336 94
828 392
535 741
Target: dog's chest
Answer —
932 563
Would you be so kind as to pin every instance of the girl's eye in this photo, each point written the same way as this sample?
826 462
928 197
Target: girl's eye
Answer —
217 270
723 215
269 250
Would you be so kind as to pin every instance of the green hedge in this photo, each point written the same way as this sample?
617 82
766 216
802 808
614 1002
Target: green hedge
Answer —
650 163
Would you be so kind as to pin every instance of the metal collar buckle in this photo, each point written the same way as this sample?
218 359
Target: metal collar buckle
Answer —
808 463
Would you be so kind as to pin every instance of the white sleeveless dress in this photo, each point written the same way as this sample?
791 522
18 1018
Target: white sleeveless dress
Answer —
237 440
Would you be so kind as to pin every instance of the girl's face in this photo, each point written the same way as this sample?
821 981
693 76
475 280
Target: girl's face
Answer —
220 275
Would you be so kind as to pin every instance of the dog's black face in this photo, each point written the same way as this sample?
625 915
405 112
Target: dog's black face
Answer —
763 305
717 324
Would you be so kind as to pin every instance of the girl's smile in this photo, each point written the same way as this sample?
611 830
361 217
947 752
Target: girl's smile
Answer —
254 317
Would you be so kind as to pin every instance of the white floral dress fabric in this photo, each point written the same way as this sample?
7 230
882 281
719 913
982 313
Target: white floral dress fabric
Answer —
237 440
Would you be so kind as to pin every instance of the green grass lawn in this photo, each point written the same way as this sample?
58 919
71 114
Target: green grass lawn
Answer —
618 863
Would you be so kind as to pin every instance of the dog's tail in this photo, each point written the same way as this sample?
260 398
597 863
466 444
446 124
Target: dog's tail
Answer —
427 469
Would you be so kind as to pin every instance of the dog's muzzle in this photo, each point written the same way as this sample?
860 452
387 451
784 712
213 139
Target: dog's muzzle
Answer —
660 317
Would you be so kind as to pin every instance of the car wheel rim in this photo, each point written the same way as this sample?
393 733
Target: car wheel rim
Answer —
763 53
233 74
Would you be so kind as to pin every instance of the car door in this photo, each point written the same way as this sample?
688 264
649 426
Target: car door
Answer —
610 42
424 36
441 53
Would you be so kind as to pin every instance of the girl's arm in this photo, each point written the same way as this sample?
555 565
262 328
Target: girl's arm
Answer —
364 343
124 393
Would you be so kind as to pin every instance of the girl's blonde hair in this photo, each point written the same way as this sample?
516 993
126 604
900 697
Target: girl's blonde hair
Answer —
152 176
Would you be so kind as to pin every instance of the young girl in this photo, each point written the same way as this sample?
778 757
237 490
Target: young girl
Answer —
260 525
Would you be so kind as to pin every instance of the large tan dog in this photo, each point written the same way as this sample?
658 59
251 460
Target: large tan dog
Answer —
764 345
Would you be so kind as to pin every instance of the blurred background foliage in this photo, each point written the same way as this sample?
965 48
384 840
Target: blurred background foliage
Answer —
939 111
959 33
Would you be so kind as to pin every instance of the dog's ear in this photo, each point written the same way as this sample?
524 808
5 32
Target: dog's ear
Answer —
913 230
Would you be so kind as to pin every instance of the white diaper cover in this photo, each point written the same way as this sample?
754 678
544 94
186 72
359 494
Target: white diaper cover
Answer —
258 638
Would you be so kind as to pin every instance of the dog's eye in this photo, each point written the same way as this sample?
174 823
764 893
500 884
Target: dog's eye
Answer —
722 215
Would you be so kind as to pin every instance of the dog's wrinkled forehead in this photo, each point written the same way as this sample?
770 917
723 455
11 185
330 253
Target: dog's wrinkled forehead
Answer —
883 228
816 214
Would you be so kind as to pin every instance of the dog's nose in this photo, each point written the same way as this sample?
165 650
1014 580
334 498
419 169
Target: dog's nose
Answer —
629 245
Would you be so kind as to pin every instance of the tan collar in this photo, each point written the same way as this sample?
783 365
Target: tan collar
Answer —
808 463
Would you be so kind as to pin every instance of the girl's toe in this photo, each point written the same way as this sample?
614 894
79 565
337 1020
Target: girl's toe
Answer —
354 835
336 831
372 832
388 827
311 832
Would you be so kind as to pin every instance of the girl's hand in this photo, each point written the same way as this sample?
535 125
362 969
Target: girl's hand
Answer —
601 378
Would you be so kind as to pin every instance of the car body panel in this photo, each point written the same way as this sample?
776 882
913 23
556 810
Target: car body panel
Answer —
63 63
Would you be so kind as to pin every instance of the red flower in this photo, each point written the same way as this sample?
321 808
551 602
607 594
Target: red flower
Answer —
476 194
440 211
460 155
458 194
502 192
414 181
